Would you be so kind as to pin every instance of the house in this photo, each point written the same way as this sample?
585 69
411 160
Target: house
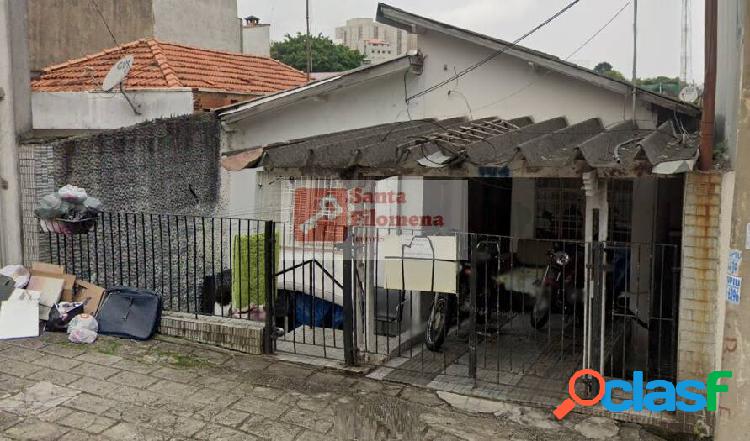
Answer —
152 146
166 79
512 149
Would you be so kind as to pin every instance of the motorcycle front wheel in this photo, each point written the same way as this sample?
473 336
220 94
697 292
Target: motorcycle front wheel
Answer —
437 323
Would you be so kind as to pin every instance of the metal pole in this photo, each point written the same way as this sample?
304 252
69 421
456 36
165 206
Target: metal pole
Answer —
709 89
635 56
269 261
307 39
473 310
347 267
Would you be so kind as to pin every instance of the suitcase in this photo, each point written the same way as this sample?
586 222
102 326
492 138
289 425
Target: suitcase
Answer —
129 313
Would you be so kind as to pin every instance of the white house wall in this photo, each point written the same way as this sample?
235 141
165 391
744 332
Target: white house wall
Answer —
506 86
102 111
373 102
509 87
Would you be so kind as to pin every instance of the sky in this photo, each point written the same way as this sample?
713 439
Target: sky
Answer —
659 23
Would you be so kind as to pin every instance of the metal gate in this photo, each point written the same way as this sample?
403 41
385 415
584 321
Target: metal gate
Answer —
615 312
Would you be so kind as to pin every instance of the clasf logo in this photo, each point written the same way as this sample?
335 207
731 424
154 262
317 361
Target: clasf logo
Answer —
656 396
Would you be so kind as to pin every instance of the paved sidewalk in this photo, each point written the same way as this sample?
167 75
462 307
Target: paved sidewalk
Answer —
168 389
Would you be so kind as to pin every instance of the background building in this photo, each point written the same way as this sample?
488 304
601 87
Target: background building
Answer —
359 33
60 31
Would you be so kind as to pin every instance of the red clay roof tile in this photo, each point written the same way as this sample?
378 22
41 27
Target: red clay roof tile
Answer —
160 65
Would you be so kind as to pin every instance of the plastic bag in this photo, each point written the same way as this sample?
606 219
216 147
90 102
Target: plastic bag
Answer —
18 273
84 321
62 314
83 329
82 335
71 193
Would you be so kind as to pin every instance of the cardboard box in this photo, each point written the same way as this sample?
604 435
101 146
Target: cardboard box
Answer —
73 290
19 315
92 292
56 272
50 289
47 268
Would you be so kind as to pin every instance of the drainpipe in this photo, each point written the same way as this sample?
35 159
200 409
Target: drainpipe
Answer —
709 90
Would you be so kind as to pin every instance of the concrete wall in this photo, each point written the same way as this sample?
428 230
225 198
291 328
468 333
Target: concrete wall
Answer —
102 111
698 318
151 167
209 24
61 30
729 45
256 40
15 119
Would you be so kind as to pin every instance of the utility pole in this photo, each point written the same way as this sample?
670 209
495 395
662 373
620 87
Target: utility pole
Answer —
635 58
307 39
15 118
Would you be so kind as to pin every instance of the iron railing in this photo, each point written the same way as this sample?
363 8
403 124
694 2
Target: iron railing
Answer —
200 265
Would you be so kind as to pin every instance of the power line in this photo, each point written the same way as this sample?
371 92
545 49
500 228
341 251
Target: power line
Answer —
572 54
104 20
493 55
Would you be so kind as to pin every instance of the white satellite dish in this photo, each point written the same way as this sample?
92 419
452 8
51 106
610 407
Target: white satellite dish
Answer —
118 73
689 94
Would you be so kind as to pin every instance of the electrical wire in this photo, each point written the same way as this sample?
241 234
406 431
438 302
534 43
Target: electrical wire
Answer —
572 54
104 20
494 54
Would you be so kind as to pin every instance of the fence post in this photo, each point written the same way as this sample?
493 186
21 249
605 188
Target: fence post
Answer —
269 261
473 308
349 358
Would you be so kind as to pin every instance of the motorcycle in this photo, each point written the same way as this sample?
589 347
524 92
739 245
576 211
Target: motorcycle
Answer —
556 289
444 311
448 309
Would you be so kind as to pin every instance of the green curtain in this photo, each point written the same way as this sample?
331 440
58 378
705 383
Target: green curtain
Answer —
249 270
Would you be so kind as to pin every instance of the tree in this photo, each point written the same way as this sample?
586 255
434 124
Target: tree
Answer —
326 56
605 68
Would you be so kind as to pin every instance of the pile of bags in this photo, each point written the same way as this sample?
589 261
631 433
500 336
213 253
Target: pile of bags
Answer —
46 298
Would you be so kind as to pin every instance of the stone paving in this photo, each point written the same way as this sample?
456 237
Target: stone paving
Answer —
167 389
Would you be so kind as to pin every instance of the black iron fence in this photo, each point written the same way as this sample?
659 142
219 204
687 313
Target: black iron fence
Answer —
511 314
200 265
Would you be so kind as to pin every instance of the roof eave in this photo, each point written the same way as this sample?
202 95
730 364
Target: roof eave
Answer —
407 21
236 112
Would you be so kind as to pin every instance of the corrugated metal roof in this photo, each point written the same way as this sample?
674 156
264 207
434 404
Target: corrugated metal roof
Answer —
463 147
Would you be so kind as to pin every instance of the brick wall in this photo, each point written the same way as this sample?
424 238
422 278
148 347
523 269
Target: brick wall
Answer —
204 101
698 319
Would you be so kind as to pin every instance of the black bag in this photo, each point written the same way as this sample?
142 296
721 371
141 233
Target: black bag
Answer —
58 321
129 313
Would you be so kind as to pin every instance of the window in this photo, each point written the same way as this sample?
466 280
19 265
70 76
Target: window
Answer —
620 197
560 208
